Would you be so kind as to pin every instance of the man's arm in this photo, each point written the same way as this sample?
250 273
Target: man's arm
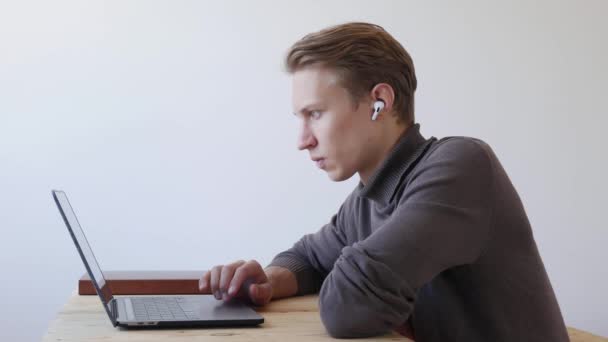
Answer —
299 270
313 256
442 220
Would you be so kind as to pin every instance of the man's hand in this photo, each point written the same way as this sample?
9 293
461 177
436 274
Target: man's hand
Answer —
239 279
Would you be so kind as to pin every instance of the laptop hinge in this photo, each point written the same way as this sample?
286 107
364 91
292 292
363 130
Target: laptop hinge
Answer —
114 310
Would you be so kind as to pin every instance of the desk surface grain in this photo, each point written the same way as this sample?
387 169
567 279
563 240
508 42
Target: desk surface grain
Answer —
293 319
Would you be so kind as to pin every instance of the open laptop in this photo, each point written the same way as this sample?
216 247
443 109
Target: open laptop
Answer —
153 311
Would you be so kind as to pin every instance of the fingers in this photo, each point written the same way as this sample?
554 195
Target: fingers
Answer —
226 277
239 278
203 283
215 281
260 294
251 271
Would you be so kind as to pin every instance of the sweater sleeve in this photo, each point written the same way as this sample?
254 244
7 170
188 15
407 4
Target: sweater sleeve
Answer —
442 220
313 256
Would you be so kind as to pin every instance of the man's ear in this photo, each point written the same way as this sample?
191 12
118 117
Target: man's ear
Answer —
385 93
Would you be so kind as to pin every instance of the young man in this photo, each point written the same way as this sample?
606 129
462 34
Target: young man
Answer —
434 241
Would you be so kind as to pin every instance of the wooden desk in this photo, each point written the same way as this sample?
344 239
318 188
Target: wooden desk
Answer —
293 319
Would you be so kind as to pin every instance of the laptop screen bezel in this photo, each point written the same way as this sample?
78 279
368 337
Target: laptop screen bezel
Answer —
109 305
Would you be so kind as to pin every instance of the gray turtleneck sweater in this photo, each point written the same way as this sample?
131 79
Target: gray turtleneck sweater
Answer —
438 240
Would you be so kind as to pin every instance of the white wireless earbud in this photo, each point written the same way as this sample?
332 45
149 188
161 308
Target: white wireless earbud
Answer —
378 106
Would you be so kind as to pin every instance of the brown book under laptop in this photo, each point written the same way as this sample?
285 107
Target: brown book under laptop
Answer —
145 282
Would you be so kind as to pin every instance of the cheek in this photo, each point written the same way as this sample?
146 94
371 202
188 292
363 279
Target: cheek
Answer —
354 145
346 149
339 129
339 139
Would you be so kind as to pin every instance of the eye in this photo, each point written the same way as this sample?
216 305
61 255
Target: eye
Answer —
315 114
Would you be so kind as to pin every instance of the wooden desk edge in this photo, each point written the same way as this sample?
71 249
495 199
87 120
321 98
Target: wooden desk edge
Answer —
302 304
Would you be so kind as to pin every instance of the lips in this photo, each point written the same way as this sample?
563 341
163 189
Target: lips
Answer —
320 162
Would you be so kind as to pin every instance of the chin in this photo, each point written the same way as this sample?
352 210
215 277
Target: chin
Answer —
339 175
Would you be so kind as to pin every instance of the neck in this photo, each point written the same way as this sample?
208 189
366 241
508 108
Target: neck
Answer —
382 152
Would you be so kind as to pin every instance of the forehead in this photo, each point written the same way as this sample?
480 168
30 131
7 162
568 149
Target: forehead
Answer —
314 84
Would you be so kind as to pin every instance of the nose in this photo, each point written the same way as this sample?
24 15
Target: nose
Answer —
306 139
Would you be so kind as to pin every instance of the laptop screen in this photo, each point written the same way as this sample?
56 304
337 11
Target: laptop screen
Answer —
85 251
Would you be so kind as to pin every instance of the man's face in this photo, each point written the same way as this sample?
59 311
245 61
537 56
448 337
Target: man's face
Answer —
337 135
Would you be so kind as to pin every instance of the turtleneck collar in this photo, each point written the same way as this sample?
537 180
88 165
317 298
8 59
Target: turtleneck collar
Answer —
382 184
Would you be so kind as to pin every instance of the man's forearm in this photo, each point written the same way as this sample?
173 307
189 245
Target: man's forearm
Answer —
282 280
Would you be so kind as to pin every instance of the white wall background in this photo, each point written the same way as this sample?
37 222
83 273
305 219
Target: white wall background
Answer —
163 119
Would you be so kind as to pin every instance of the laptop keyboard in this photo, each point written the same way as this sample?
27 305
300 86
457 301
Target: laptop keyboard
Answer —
163 308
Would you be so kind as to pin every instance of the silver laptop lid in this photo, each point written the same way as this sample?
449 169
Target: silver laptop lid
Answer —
86 253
